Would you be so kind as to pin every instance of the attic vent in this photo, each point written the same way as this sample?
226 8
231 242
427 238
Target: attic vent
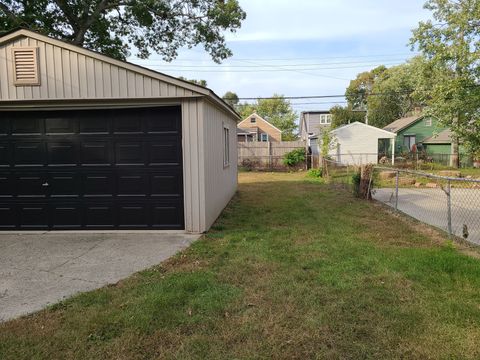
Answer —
25 66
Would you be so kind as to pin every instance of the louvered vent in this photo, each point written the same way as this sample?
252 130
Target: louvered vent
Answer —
25 66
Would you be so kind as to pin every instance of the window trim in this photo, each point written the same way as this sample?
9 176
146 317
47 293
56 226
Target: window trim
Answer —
261 137
226 146
253 120
428 122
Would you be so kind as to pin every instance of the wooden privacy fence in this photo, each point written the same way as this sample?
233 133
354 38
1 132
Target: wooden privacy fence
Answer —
266 155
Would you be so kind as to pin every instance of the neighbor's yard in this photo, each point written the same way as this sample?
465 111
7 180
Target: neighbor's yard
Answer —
293 269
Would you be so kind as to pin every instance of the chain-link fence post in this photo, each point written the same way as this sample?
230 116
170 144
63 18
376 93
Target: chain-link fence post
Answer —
396 189
449 208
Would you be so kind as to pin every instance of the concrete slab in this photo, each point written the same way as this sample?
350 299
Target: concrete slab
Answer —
38 269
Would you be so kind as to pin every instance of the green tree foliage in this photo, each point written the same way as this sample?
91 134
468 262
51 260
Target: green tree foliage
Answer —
345 115
450 78
114 27
194 81
276 110
231 98
361 87
387 93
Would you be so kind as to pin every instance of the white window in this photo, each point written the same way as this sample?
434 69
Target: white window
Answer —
329 119
322 119
409 141
226 146
253 120
428 122
264 137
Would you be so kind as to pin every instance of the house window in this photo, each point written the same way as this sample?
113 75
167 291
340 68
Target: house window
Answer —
226 146
253 120
428 122
322 119
329 119
264 137
409 141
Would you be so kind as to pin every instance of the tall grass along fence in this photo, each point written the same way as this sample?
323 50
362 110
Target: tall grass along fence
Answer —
268 155
449 202
446 200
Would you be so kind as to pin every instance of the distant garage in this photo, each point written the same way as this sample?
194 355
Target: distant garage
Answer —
89 142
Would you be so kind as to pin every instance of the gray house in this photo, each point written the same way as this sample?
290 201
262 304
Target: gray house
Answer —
90 142
312 123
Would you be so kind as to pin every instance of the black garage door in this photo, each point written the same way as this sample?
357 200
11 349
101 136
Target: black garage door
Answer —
91 169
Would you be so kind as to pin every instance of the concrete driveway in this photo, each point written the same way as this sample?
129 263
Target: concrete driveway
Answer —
38 269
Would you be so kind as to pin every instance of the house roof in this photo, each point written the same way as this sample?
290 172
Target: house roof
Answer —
200 90
389 134
402 123
259 117
444 137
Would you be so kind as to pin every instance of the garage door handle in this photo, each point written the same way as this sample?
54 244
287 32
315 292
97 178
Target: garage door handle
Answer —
45 184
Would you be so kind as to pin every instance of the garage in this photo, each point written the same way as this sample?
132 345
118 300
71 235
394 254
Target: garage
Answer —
92 143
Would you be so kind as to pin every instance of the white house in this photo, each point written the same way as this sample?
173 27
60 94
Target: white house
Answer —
358 143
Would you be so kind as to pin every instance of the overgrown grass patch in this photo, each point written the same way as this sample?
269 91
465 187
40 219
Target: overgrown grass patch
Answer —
293 269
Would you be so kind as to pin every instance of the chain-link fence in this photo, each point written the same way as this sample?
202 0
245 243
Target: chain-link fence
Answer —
449 203
339 174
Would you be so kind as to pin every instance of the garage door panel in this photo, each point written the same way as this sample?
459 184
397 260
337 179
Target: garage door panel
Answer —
61 125
95 124
62 153
31 185
169 120
7 185
98 184
96 153
4 127
4 154
132 184
64 184
167 215
166 184
130 153
8 217
100 215
133 215
164 153
29 153
33 216
66 216
128 123
27 125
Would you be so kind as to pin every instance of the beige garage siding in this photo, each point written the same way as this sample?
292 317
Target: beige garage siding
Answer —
220 181
68 74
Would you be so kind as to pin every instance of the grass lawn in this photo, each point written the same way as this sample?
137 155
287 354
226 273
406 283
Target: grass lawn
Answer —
293 269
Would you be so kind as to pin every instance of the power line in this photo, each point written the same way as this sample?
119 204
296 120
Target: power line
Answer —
282 69
366 63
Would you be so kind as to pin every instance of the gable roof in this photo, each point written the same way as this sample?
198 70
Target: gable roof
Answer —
258 117
402 123
358 123
443 137
196 89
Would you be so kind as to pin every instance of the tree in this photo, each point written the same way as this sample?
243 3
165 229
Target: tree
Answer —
276 110
231 98
345 115
361 87
386 93
114 27
194 81
450 78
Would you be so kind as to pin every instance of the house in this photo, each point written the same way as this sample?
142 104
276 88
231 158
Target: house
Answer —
312 123
256 128
90 142
356 143
414 130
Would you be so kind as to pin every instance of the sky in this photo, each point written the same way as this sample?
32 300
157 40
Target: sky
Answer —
303 48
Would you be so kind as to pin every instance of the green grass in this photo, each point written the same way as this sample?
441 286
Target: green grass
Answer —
293 269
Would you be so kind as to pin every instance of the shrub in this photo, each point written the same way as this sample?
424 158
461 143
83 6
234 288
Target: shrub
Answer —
294 157
314 173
